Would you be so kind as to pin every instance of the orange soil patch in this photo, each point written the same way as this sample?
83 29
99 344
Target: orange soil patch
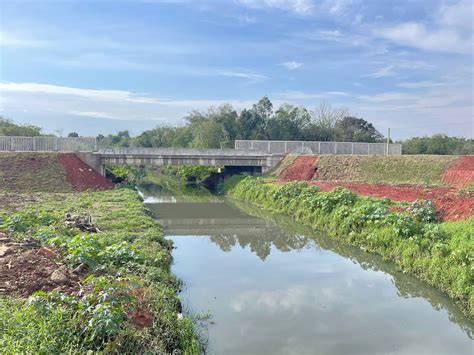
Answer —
303 168
460 173
448 202
80 176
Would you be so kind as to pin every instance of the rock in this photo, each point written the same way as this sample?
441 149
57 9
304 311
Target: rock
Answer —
4 250
59 277
50 254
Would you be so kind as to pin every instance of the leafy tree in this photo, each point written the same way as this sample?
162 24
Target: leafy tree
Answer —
288 123
353 129
73 135
438 144
8 128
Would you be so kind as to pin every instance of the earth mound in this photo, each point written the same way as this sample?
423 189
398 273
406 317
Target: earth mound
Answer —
302 168
460 173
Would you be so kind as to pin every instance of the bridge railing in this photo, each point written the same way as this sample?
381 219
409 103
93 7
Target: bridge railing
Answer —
197 152
47 144
315 147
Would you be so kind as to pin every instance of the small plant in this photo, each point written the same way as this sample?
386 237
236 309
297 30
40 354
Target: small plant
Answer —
423 211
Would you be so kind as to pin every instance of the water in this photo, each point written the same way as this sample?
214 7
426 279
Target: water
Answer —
282 289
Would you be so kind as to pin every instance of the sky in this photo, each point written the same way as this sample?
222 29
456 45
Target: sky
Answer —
104 66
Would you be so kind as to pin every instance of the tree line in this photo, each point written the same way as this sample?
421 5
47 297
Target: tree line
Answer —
220 127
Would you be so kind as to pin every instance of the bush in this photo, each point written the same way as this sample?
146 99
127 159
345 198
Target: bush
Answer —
438 253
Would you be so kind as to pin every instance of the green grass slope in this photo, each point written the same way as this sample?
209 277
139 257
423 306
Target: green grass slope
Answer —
414 169
32 172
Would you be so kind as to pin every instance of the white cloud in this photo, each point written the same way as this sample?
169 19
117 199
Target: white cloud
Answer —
15 41
383 72
97 103
459 16
300 95
291 65
94 114
416 35
95 94
301 7
239 74
337 7
420 84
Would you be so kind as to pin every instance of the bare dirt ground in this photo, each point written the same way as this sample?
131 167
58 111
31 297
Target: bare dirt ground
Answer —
450 202
302 168
80 176
26 267
460 173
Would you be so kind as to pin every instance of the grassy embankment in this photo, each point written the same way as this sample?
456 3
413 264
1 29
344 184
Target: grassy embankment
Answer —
28 172
417 169
411 236
129 302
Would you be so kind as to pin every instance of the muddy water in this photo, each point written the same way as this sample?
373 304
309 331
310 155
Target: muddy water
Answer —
275 288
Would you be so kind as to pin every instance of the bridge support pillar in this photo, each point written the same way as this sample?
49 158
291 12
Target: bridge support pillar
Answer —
93 160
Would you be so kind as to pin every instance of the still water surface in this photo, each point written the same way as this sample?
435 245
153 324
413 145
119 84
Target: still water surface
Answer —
276 288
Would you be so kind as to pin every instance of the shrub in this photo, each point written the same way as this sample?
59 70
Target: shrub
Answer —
439 253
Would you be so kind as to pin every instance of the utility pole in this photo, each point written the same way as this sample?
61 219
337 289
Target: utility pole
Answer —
388 141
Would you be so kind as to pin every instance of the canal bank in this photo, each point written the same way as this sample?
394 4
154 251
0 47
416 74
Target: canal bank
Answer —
87 272
274 288
409 234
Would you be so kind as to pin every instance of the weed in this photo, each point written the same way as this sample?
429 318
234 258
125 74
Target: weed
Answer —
438 253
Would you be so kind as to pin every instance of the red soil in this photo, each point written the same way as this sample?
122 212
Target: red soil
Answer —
80 175
302 168
448 202
460 173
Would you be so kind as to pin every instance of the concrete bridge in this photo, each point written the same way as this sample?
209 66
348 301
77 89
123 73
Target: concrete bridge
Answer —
243 159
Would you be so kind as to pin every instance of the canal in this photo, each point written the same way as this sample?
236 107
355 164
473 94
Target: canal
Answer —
273 287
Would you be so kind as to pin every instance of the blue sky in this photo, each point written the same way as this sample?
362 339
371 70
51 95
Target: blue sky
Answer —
103 66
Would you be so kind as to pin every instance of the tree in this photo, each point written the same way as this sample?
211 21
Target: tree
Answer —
353 129
323 122
73 135
288 123
438 144
8 128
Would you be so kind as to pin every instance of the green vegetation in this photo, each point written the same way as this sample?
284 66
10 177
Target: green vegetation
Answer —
191 174
128 263
32 172
439 144
8 128
220 127
408 234
421 169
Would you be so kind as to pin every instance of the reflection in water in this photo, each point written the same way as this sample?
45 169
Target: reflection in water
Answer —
269 292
